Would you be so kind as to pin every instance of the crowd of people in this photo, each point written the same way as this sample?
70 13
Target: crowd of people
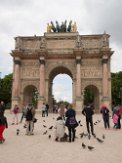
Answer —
66 118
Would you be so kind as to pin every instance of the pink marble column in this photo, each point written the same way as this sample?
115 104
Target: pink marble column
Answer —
78 77
16 82
42 78
105 76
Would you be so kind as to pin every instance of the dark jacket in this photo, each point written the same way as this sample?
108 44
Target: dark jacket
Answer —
70 114
88 112
30 114
104 111
3 121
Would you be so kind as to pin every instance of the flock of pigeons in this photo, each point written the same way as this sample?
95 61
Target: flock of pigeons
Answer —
84 146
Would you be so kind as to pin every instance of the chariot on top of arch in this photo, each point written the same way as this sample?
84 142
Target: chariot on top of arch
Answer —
71 27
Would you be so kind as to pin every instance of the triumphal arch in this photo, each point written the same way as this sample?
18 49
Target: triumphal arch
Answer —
38 59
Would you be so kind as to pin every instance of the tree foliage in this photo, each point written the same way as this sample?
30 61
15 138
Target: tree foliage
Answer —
116 84
6 89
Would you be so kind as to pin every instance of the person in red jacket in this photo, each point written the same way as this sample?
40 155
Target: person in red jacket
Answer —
3 125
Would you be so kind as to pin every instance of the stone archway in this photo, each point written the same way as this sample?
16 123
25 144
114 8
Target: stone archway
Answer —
52 74
92 95
30 95
85 58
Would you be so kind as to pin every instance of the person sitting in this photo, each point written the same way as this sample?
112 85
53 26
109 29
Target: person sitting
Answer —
59 129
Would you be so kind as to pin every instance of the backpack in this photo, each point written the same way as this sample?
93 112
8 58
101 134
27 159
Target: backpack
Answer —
29 115
73 122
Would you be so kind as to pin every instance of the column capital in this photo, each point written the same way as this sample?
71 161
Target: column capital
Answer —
78 60
16 61
42 61
104 60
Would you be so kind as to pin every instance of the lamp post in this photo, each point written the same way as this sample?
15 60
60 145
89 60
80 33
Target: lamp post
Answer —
121 94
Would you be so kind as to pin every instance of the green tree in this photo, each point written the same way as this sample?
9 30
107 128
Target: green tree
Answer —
6 89
116 79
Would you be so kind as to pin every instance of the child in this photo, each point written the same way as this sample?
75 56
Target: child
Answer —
3 125
60 129
115 120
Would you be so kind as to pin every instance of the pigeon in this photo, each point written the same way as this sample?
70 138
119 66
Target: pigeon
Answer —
83 145
99 140
81 134
103 136
49 136
45 132
79 121
85 134
17 133
98 121
50 127
81 125
43 120
90 148
44 126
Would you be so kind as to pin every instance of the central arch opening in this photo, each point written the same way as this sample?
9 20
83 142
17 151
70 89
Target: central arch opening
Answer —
60 85
62 88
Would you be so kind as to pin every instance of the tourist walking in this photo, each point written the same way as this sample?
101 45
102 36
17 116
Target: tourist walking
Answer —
88 113
24 111
105 114
71 122
46 109
3 125
43 109
30 115
2 106
15 112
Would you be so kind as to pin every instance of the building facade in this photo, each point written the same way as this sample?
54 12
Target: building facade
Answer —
85 58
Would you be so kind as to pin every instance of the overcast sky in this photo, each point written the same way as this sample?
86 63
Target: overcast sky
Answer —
30 17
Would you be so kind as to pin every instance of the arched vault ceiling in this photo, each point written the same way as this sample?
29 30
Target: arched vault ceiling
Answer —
59 70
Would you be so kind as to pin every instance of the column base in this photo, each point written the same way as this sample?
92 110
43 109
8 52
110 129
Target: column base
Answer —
79 104
41 100
15 101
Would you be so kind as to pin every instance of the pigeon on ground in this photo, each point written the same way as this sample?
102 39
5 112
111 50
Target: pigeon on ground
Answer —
43 120
79 121
81 134
103 136
83 145
99 140
90 148
44 126
45 132
50 127
17 133
49 136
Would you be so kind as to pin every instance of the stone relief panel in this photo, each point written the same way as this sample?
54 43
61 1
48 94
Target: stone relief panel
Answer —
60 44
26 83
31 44
30 69
91 43
91 62
91 72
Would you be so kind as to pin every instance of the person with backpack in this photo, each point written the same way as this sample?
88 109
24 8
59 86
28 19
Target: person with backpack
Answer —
88 113
105 113
71 122
30 115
